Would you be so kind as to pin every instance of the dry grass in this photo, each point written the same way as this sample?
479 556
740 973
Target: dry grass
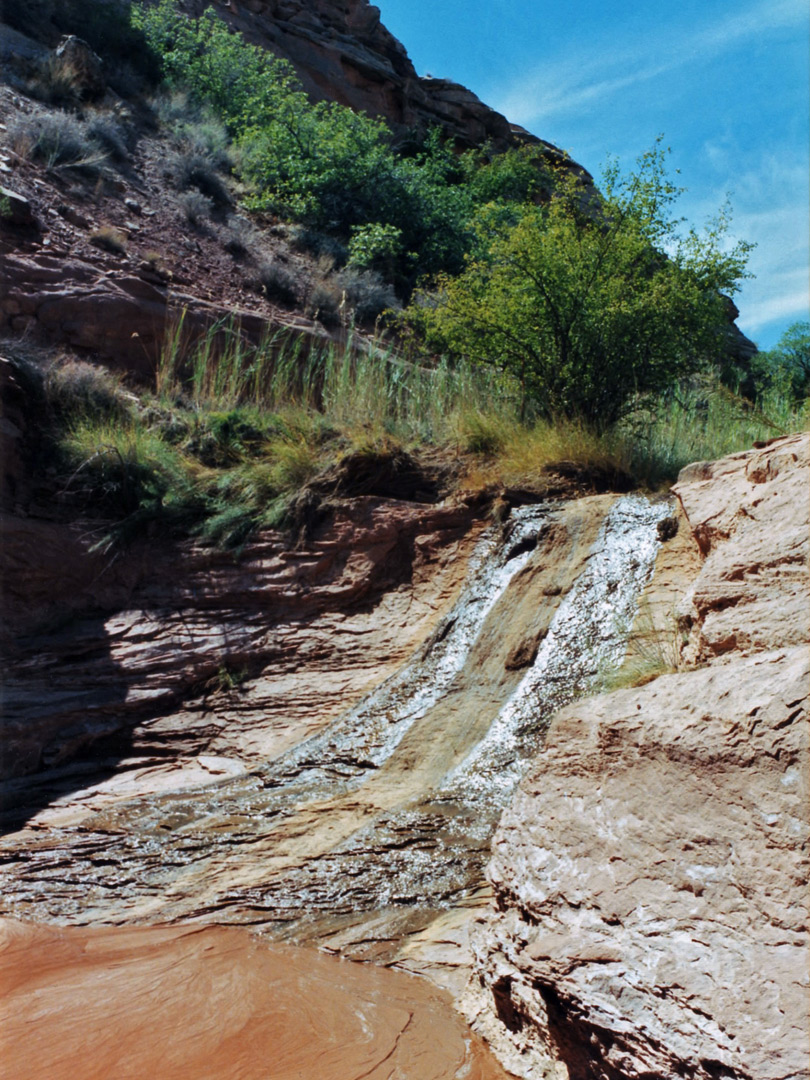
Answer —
109 239
654 647
505 452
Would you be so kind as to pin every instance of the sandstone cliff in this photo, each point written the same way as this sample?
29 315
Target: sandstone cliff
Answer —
342 52
650 876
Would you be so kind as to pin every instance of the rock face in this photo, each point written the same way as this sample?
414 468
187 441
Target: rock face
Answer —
650 876
122 316
97 648
343 53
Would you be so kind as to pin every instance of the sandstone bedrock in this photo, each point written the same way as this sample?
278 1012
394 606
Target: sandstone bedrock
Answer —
651 874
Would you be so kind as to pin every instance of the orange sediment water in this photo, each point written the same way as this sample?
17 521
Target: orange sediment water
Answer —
205 1002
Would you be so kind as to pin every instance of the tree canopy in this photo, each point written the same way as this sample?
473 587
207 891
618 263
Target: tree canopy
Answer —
589 305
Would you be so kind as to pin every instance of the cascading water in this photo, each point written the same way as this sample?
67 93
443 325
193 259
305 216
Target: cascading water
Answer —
393 804
587 636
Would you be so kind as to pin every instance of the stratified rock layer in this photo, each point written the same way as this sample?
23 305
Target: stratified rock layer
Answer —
651 873
342 52
106 647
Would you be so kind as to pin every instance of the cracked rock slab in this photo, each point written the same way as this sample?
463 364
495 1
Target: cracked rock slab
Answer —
650 875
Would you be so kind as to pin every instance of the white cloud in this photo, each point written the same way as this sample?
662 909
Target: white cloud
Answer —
783 307
568 85
770 210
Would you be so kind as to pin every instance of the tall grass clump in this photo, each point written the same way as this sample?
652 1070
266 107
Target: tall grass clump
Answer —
702 422
235 430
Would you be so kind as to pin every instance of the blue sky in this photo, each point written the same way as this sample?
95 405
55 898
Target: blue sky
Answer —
726 83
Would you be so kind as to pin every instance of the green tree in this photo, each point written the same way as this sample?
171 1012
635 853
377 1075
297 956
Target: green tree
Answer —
321 163
589 307
785 367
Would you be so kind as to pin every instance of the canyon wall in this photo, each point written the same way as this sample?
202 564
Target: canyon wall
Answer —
650 876
342 52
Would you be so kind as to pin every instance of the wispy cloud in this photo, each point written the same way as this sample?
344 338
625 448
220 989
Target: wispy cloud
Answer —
771 211
568 85
782 307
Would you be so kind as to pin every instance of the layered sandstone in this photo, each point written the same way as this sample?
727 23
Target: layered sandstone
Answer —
103 651
650 875
342 52
123 315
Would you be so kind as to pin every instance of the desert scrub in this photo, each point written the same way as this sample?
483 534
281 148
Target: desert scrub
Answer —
58 139
325 301
109 239
108 133
278 283
197 171
196 207
367 294
75 389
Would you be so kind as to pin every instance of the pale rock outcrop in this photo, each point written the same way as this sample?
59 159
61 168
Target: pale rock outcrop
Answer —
651 874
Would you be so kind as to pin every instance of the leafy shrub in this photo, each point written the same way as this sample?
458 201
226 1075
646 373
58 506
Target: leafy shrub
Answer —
322 164
375 247
518 175
784 368
585 311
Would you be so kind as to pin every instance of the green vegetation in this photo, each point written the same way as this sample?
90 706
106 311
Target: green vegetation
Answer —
330 168
548 325
232 433
581 306
784 369
655 644
60 140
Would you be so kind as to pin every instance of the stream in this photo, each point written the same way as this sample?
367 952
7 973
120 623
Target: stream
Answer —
386 814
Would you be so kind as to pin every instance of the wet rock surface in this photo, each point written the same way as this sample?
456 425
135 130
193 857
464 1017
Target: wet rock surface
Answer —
650 874
370 829
185 651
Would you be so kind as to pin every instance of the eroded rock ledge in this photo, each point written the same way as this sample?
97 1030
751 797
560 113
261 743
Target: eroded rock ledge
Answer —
650 875
109 648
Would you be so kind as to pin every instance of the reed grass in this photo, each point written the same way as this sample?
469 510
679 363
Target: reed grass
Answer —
234 430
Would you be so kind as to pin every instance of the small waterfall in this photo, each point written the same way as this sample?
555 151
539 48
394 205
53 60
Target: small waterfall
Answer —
367 735
392 806
588 634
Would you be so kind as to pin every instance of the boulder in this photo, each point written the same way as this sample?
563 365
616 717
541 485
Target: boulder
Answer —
16 210
86 69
